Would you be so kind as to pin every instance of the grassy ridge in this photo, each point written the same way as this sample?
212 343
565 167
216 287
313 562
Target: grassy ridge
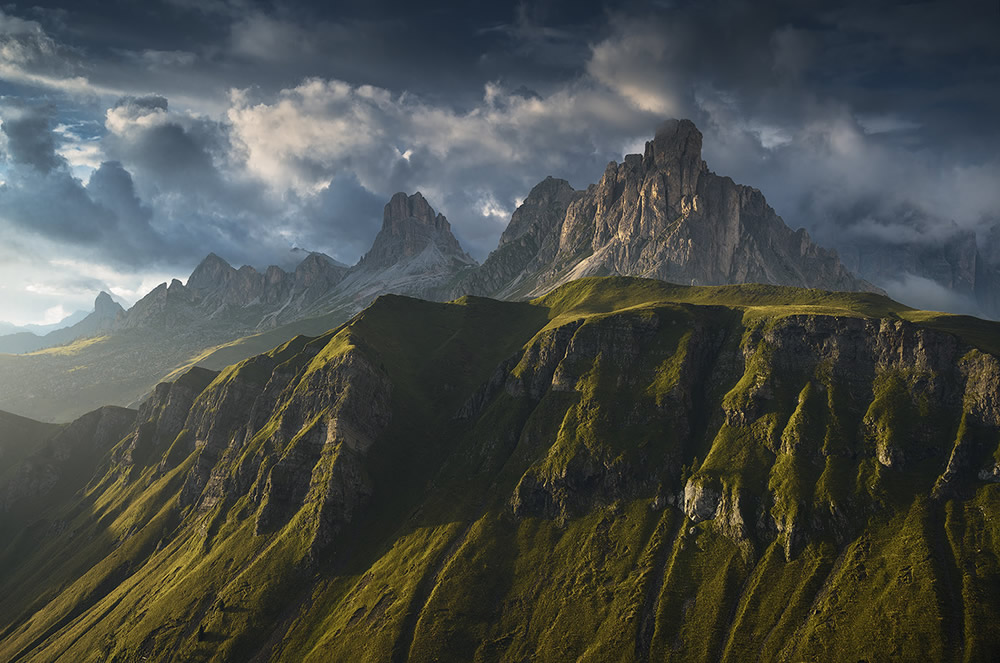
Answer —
531 496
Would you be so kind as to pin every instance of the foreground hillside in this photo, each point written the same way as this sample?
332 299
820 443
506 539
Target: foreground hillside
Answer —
621 470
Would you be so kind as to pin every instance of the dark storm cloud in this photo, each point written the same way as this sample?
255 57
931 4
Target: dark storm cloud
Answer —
443 49
876 107
291 123
30 142
186 169
106 220
111 186
42 196
169 154
341 220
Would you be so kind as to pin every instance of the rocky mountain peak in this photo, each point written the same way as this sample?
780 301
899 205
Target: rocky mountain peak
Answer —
209 273
106 307
410 226
318 265
675 141
661 214
402 208
550 191
676 152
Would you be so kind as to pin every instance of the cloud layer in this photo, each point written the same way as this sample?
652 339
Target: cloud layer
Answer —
246 129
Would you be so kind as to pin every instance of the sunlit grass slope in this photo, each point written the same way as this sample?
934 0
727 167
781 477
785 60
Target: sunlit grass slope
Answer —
622 470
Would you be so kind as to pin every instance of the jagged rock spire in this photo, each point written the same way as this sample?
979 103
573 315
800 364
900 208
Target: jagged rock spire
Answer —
410 226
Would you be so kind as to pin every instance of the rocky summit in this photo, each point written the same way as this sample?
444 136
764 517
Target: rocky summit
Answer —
662 214
415 253
622 470
411 228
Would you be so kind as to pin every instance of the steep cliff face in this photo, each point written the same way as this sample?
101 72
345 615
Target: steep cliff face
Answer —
951 262
61 463
415 253
160 420
621 470
410 227
663 215
988 272
528 245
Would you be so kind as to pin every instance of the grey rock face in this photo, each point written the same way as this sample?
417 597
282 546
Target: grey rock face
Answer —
160 420
701 500
528 245
244 300
415 253
959 264
313 460
663 215
988 272
409 228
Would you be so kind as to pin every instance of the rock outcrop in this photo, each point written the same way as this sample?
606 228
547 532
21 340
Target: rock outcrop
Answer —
663 215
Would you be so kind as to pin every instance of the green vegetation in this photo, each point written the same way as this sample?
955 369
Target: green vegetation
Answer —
622 470
20 438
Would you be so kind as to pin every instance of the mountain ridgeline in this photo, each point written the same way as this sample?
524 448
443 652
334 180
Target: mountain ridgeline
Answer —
621 470
106 316
661 214
963 268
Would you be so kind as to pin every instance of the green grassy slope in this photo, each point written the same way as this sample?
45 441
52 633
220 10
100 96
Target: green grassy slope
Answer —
19 438
59 384
623 470
226 354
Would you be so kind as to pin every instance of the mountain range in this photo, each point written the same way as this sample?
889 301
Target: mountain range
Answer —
958 271
105 317
749 453
621 470
661 214
71 319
